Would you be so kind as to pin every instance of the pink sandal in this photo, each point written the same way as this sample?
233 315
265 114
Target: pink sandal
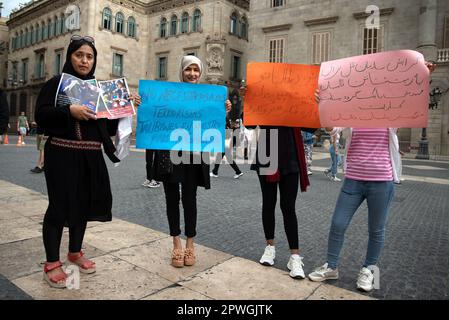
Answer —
55 281
87 267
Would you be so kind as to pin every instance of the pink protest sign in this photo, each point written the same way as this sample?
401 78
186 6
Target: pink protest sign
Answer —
388 89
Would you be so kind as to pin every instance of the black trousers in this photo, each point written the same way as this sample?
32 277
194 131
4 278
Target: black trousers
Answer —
231 162
188 197
52 235
288 189
149 157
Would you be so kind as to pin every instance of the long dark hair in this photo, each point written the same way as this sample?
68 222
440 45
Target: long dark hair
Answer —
68 67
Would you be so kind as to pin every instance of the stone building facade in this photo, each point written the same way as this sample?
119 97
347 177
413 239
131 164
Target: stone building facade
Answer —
310 32
4 40
128 38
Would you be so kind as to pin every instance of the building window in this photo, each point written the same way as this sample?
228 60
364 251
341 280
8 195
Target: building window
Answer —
233 23
63 26
321 47
446 32
44 31
58 30
162 68
277 3
117 65
185 23
173 25
58 63
15 72
40 66
276 50
23 102
51 27
13 104
163 29
373 40
131 27
33 35
107 14
196 23
27 37
21 42
24 77
119 18
235 68
244 29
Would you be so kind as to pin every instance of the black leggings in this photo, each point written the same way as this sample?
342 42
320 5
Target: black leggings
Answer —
52 235
231 162
172 198
288 188
149 157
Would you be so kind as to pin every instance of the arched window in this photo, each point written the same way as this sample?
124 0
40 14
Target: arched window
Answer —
36 33
63 26
119 18
163 28
185 23
107 14
21 42
196 23
234 23
44 31
173 25
27 37
40 33
33 35
244 28
57 26
131 27
51 30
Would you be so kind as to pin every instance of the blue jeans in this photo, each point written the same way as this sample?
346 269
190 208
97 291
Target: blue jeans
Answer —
378 196
334 158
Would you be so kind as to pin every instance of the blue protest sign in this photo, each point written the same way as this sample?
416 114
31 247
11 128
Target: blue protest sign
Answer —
181 116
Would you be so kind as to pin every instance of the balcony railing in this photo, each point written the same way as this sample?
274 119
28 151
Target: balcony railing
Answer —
443 55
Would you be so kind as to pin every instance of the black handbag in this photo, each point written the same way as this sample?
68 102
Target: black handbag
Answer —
164 164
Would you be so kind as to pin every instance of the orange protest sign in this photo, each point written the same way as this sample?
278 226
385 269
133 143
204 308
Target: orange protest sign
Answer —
281 94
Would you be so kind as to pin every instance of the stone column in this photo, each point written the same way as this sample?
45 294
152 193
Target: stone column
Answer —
427 29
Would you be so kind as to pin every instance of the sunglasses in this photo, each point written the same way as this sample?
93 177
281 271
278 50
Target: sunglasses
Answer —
85 38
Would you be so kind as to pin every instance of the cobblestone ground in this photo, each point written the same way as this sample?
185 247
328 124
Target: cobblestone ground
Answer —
413 265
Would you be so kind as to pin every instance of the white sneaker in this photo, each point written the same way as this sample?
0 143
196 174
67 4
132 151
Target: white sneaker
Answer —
268 256
213 175
323 273
365 280
154 184
146 183
238 175
295 265
335 179
309 172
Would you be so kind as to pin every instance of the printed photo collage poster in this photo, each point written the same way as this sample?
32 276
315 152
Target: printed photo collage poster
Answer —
108 99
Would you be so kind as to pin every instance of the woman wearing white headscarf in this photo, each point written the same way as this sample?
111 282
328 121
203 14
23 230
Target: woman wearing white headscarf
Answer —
189 175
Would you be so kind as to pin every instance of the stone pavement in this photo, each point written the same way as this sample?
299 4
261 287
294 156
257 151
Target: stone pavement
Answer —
133 263
414 262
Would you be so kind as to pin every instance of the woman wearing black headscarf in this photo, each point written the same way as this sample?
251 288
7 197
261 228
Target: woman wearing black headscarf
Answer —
75 170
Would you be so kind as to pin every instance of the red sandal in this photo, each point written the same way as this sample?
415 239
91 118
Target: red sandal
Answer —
55 281
87 267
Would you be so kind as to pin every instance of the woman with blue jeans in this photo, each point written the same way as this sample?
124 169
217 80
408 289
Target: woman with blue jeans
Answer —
331 173
371 165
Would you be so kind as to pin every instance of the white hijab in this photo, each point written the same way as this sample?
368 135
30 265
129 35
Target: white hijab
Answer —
187 61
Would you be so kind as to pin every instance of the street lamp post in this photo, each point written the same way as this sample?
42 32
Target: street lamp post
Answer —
423 151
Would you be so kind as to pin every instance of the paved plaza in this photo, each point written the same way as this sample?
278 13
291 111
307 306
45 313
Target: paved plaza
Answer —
414 263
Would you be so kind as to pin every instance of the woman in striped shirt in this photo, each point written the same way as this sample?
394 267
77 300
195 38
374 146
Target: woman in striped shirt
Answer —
372 165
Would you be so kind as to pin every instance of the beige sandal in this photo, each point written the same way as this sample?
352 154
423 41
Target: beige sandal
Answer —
189 257
177 258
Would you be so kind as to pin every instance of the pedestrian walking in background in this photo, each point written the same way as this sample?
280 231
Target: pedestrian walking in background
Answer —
308 149
230 127
75 171
22 127
189 175
149 181
4 115
40 144
331 172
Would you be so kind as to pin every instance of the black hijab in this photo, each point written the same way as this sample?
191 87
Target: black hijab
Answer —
68 67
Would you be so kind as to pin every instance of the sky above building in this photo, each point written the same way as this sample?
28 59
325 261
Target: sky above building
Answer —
8 5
